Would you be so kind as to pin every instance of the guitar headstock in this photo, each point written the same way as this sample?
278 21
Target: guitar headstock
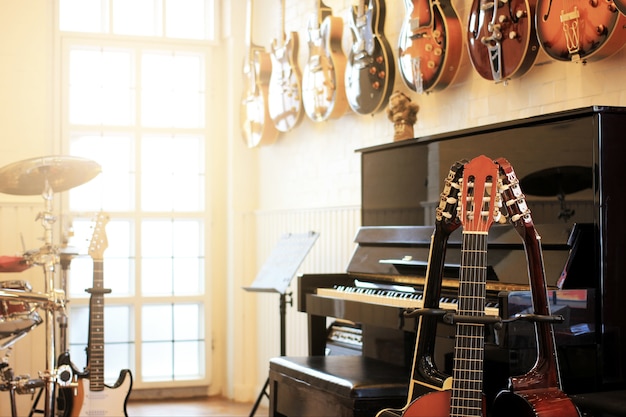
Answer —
99 241
446 212
512 196
480 199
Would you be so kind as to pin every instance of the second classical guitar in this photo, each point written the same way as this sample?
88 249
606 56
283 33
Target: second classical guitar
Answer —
94 398
430 45
538 392
370 71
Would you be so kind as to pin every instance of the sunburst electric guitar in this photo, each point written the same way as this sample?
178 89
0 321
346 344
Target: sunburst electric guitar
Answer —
370 70
285 101
580 30
501 38
430 45
537 393
256 125
323 89
94 398
426 377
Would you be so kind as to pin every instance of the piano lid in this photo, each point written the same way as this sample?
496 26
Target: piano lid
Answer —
400 253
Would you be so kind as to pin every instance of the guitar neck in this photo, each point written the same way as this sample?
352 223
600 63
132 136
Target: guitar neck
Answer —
467 384
96 328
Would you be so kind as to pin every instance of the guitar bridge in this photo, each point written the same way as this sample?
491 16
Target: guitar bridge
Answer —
571 30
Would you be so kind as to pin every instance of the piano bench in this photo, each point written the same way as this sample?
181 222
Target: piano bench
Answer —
335 385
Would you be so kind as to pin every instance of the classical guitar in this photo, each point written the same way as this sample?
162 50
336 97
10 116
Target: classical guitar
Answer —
430 45
323 88
501 38
285 101
256 126
538 392
370 70
580 30
94 397
425 377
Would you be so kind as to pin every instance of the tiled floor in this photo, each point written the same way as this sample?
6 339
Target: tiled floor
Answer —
210 406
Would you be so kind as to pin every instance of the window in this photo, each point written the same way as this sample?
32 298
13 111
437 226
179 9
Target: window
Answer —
135 101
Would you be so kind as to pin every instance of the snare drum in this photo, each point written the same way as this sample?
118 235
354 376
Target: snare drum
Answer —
17 317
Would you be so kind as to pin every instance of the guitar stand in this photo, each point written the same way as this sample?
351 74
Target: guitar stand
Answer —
285 298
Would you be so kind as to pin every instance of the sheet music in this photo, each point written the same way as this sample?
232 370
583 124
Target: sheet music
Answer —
283 263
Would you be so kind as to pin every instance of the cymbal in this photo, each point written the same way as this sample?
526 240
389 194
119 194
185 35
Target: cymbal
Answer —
557 181
33 176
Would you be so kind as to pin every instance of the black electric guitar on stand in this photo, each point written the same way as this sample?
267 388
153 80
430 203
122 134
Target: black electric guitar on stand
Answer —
425 377
370 70
94 398
323 89
538 392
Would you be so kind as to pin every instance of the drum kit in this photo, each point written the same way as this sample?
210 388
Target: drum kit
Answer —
20 306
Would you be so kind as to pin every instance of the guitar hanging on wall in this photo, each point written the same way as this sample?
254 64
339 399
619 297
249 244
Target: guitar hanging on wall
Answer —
501 38
370 70
285 102
580 30
538 392
323 88
94 398
426 380
430 45
256 124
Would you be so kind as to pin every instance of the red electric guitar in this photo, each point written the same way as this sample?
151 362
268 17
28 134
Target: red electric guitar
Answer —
285 101
537 393
94 398
425 376
323 88
256 126
370 71
580 30
501 38
430 45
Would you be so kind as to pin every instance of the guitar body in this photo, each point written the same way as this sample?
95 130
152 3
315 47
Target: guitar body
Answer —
370 70
621 6
501 39
430 45
579 30
110 401
257 126
285 102
323 87
551 402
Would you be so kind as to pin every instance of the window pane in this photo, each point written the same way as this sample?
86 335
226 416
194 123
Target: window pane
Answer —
113 189
172 90
188 322
187 19
156 323
172 173
101 86
137 17
83 15
156 361
188 360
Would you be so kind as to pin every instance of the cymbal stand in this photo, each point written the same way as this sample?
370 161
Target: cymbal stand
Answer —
48 258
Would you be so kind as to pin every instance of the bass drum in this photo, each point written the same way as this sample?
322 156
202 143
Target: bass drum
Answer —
17 317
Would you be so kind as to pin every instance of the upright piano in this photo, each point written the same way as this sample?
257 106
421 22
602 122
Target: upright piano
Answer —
571 169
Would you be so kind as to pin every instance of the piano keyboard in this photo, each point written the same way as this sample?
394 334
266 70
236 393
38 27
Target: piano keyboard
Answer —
393 298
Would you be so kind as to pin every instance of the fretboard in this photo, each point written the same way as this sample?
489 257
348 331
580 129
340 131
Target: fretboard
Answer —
96 329
467 384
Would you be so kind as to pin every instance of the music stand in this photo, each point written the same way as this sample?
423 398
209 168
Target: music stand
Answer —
276 275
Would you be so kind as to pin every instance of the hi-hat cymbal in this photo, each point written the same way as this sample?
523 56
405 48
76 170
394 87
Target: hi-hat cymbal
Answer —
34 176
558 181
